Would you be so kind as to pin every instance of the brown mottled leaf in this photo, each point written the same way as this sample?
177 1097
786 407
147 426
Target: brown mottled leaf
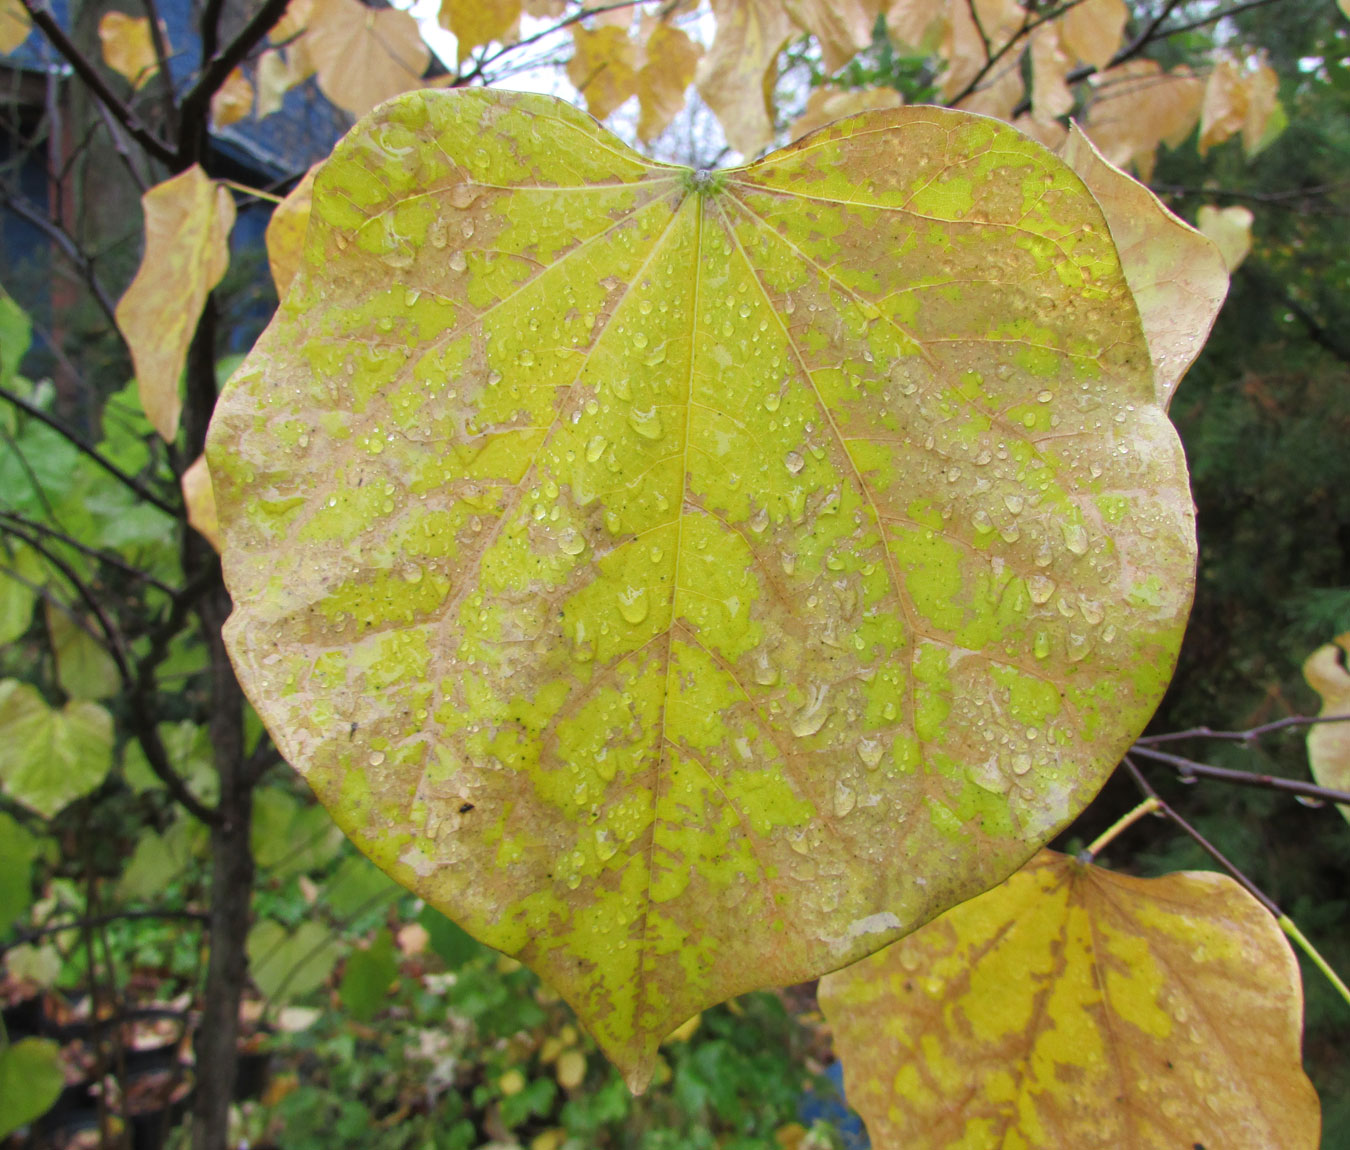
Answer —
128 48
1231 231
1074 1008
1178 276
603 67
364 55
200 500
187 249
478 22
233 102
285 236
737 74
1329 743
625 553
1093 30
842 28
825 105
670 61
15 24
1137 106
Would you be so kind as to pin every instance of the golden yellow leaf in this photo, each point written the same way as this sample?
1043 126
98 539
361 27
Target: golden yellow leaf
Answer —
478 22
1178 276
128 48
1136 106
917 24
1074 1008
200 499
670 60
1092 30
603 67
233 102
736 77
1345 8
773 552
825 105
1050 63
571 1069
364 55
275 79
293 21
1224 111
976 30
544 9
842 28
286 229
15 25
1263 94
1230 229
1329 743
187 249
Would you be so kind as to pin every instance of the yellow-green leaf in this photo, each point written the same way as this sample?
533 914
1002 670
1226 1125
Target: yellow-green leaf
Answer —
84 669
233 102
200 500
286 965
30 1081
1076 1008
187 249
625 553
1329 743
21 573
49 757
1178 275
128 48
603 67
286 231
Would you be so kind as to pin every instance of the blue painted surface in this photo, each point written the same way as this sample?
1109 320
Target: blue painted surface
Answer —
833 1108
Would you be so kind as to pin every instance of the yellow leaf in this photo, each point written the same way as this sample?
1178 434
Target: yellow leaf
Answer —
1050 64
825 105
1231 231
364 55
571 1069
967 46
128 48
1263 94
275 79
293 21
201 501
842 28
1178 276
1329 743
1345 8
737 75
1076 1007
1136 107
233 102
1093 30
1224 111
545 9
602 67
286 229
187 249
671 59
15 25
478 22
625 554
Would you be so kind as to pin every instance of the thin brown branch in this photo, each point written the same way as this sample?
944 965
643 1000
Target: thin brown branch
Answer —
66 245
1188 769
85 69
12 519
164 76
1251 734
99 920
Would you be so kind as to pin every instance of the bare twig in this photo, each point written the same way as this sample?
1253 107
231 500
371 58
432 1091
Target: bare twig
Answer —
99 920
67 246
1251 734
1190 769
10 520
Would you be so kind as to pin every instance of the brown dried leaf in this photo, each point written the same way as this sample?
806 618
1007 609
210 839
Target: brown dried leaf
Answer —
233 102
293 22
1224 111
1052 134
187 249
917 24
200 498
1050 64
671 59
478 22
969 25
1074 1008
736 77
128 48
825 105
1137 106
1093 30
1178 276
1329 743
364 55
1230 229
286 232
1263 94
603 67
842 28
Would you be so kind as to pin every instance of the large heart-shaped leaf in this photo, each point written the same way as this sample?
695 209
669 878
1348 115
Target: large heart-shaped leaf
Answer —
694 581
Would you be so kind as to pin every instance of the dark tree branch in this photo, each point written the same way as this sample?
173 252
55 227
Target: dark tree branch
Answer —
87 449
1251 734
85 69
165 77
1317 332
111 558
99 920
67 246
1188 769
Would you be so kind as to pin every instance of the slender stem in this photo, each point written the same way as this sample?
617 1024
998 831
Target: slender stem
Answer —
1147 807
1247 736
87 449
85 69
10 520
66 246
1287 925
489 59
256 193
1189 768
99 920
165 77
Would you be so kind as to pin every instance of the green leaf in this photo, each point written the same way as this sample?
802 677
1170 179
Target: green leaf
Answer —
159 859
84 668
20 571
50 757
356 886
450 942
367 977
290 838
286 965
626 554
16 335
18 849
30 1080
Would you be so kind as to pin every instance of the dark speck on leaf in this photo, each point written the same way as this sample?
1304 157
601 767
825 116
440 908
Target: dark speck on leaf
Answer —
465 808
